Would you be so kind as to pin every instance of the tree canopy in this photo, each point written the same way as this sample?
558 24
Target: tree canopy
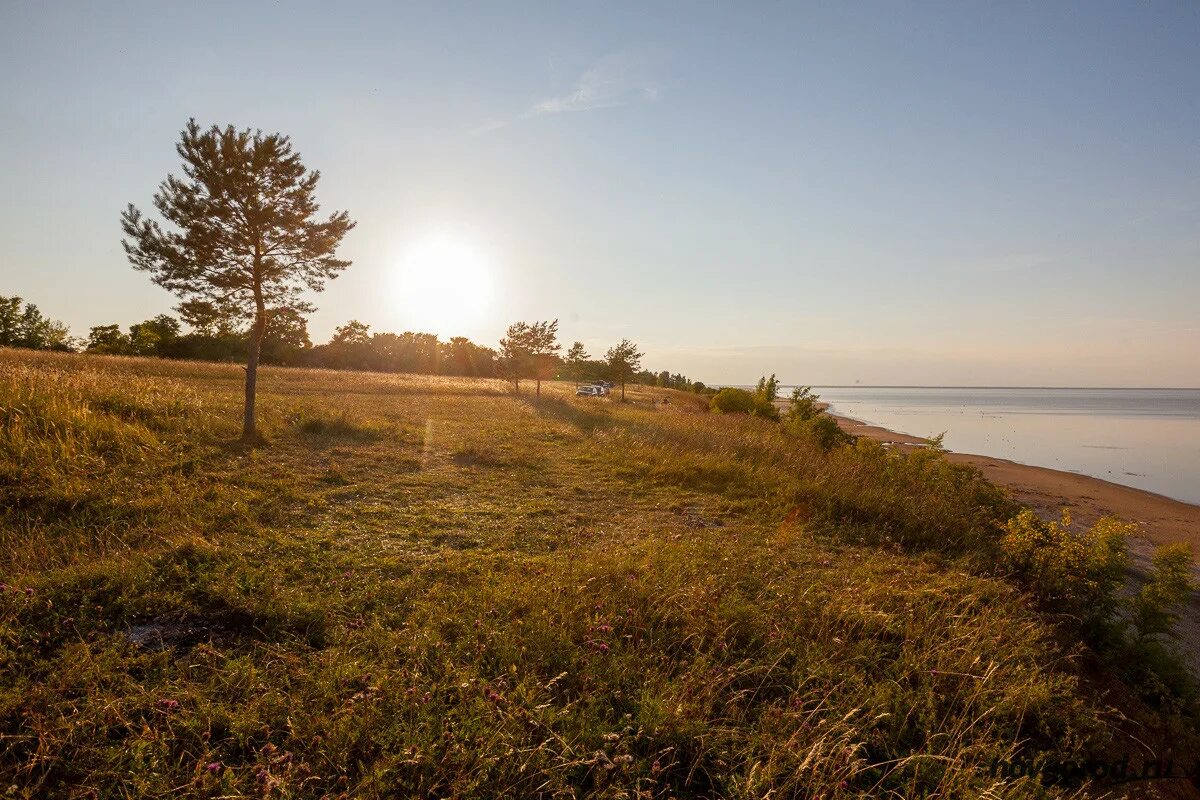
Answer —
23 325
624 360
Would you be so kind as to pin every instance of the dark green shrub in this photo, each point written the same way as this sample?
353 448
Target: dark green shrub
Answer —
1076 572
804 404
823 428
1156 605
739 401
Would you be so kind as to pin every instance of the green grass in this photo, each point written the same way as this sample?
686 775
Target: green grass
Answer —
431 587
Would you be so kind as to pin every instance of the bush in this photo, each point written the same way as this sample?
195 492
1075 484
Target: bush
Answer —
740 401
1083 573
1077 573
823 428
804 405
1155 606
805 417
1151 662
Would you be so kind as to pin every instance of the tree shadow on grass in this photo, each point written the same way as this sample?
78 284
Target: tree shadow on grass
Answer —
587 420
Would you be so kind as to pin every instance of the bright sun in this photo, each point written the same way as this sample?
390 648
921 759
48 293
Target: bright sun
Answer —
445 284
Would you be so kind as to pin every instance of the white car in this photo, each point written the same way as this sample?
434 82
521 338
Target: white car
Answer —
589 391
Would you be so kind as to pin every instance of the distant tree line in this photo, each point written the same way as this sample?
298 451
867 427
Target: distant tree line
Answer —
22 325
529 351
286 342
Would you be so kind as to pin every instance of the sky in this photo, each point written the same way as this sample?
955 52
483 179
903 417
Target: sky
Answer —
885 193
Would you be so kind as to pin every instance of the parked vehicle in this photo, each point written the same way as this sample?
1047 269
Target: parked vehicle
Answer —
590 391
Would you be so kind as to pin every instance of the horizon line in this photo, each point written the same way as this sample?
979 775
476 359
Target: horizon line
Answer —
964 386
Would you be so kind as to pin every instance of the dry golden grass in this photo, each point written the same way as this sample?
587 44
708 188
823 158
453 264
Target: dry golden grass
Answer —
432 587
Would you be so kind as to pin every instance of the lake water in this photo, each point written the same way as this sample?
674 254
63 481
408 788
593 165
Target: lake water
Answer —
1147 438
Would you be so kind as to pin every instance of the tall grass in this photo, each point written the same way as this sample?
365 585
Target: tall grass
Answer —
431 587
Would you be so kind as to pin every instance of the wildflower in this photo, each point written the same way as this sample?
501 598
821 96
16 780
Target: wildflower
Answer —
604 628
29 591
214 767
168 705
933 672
603 647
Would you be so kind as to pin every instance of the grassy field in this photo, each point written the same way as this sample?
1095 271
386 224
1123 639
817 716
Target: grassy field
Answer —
430 587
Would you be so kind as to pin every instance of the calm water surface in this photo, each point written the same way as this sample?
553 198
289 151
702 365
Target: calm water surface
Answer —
1147 438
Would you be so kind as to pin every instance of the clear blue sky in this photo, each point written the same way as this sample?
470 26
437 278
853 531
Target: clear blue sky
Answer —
958 193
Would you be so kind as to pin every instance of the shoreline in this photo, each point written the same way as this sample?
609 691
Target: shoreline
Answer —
1160 519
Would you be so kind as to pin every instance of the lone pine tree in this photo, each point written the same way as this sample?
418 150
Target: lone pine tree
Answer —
244 238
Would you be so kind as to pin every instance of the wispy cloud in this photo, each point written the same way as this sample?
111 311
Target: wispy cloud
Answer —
614 80
617 79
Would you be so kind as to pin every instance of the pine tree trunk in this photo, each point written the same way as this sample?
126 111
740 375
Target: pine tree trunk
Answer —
249 426
622 391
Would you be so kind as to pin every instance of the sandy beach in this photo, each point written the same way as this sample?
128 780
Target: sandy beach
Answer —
1160 519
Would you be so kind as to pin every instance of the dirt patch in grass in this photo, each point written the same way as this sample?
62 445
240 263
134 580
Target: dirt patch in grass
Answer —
166 633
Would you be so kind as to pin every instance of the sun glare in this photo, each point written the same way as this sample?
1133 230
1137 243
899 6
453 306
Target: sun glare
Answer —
445 285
